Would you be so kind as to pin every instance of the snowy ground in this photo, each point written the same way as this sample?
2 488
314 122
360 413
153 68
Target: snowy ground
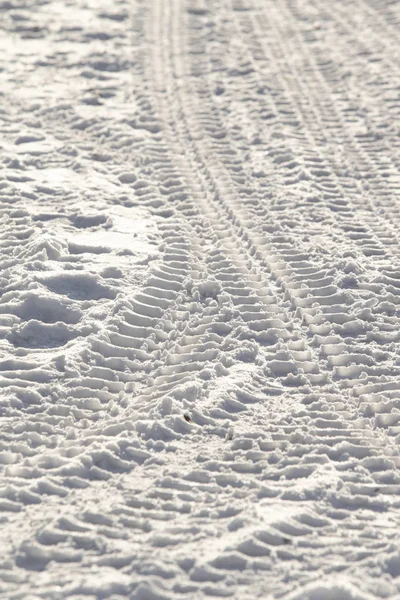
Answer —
200 299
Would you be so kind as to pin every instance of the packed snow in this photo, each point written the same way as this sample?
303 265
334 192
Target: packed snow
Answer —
200 299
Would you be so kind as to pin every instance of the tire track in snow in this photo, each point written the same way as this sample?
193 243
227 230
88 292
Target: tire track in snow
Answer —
369 140
51 545
260 549
264 474
387 269
315 71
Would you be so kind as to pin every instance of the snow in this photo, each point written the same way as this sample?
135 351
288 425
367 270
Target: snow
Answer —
199 300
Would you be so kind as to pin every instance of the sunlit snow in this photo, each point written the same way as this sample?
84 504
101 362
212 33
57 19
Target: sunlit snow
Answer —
200 300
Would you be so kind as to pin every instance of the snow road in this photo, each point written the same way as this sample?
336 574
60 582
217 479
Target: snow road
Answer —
200 299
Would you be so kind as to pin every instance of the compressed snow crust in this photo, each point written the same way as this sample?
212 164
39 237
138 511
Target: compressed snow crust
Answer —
330 591
199 300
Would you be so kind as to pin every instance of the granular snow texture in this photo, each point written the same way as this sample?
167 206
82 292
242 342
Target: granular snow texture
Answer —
199 299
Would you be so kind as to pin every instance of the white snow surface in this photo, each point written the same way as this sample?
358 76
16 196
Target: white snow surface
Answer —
199 299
